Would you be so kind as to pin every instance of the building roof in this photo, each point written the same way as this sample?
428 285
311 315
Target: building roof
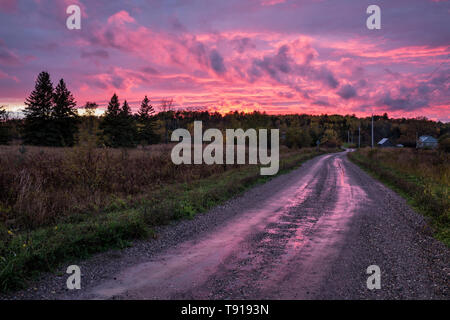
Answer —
426 138
382 141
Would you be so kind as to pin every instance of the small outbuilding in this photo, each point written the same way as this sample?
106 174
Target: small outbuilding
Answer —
384 143
427 142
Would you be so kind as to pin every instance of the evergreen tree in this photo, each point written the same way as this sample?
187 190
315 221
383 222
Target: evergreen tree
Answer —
5 135
125 111
110 123
38 128
128 133
64 114
119 129
146 121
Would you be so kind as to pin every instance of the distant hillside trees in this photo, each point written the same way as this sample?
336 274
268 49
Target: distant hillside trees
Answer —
330 138
168 117
90 108
89 132
51 119
50 116
444 142
298 137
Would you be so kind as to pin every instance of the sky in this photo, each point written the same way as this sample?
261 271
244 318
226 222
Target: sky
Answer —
277 56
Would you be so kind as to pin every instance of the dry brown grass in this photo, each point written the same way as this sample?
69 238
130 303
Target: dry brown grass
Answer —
41 185
430 165
422 176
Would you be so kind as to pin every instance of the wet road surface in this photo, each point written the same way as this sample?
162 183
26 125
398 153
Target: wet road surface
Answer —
311 234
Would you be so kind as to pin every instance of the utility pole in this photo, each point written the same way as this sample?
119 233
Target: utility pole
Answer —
372 130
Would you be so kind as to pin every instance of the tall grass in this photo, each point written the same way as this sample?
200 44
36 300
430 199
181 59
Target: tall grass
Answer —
423 176
40 186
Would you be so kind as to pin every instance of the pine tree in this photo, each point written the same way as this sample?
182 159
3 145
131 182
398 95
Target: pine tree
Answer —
146 121
110 123
128 131
64 114
38 128
125 111
119 129
5 135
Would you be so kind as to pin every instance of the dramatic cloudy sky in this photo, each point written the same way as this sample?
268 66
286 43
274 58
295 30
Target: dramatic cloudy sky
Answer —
279 56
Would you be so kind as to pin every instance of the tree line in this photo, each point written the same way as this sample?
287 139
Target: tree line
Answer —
51 119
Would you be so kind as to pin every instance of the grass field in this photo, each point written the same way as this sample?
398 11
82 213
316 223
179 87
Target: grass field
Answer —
421 176
58 204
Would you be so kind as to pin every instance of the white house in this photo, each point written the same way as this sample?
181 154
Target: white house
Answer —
385 142
427 142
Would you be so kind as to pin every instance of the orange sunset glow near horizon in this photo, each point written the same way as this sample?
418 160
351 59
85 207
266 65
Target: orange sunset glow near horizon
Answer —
279 57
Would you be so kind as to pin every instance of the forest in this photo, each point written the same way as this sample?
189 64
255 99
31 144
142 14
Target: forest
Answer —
51 119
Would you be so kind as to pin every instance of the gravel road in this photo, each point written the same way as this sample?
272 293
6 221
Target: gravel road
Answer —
308 234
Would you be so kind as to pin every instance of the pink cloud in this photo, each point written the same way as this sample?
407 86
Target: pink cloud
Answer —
271 2
4 75
120 18
8 6
7 56
222 65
